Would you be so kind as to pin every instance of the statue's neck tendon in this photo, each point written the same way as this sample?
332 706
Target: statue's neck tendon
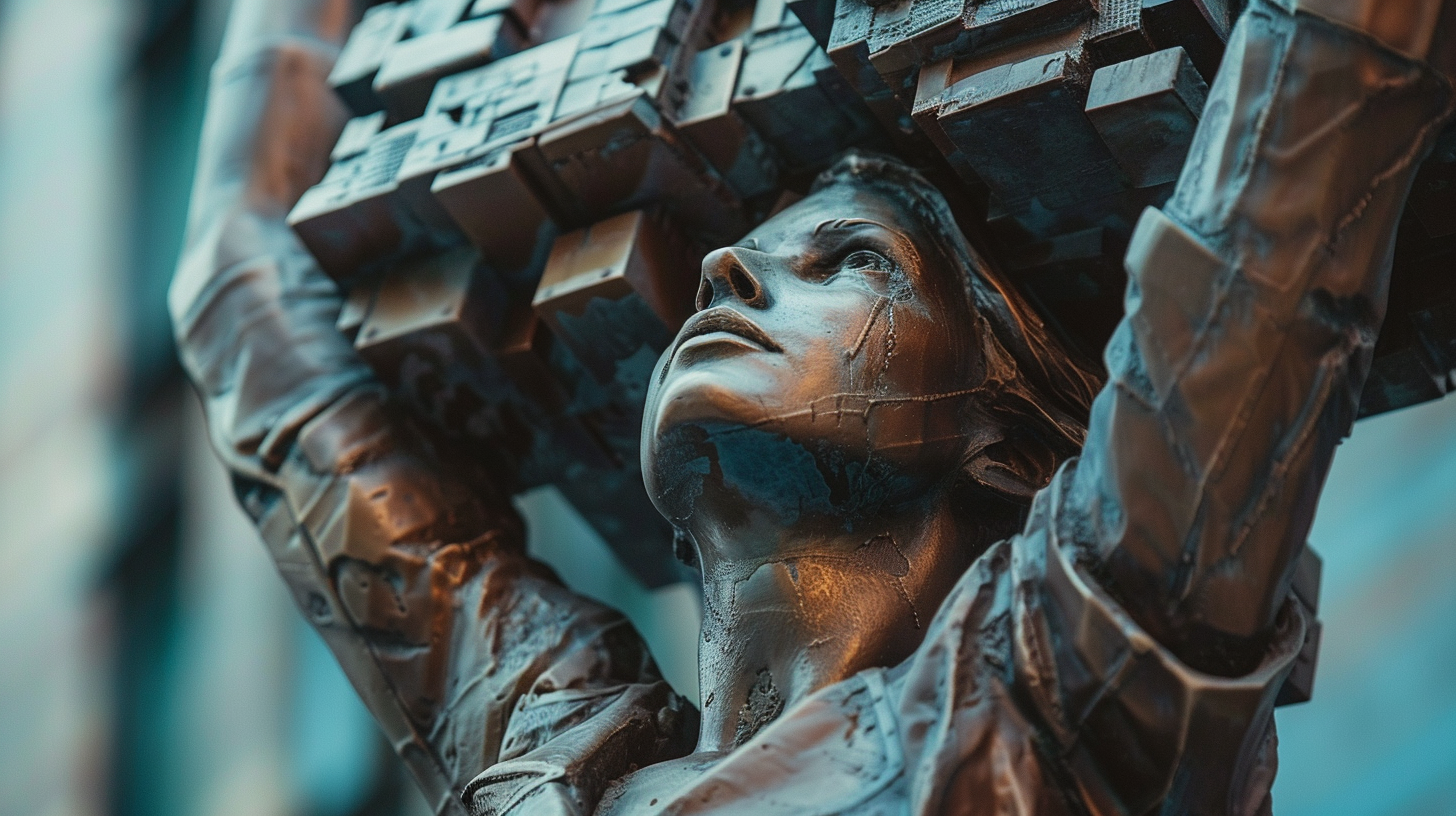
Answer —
821 607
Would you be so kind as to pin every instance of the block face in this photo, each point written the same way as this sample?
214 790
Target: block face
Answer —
354 219
1023 130
411 68
495 205
616 292
1146 111
352 77
449 293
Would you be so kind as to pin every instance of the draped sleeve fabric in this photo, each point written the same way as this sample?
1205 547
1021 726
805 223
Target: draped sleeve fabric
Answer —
1126 650
407 560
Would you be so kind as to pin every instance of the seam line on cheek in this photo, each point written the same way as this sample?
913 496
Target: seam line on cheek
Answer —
864 334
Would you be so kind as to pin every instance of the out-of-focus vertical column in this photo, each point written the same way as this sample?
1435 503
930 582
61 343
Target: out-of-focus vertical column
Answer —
61 253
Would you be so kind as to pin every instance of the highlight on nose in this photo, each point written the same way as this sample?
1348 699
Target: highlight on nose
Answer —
725 274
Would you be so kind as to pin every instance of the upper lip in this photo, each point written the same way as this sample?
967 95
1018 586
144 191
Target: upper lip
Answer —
724 319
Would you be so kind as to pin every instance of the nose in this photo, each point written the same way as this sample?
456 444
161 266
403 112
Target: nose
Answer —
729 273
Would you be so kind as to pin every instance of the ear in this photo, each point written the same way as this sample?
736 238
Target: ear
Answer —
1016 466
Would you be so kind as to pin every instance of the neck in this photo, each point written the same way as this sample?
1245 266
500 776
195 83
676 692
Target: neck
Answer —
820 607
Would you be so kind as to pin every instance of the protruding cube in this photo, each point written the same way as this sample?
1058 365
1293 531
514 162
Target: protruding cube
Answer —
1022 128
357 304
411 68
1146 111
708 120
627 155
354 219
495 205
352 77
780 95
431 327
617 290
431 16
356 136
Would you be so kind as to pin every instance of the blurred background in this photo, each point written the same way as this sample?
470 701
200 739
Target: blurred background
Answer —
150 660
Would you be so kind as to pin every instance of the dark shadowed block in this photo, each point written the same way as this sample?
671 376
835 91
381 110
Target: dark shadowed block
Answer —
1146 111
1201 27
1022 128
780 95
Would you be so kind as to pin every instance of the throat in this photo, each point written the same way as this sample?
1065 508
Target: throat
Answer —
777 630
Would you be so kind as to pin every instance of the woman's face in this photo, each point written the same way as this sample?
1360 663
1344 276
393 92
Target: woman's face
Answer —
824 378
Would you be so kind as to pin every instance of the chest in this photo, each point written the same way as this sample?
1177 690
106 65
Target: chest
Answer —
833 754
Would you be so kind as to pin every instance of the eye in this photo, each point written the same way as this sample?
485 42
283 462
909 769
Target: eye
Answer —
865 260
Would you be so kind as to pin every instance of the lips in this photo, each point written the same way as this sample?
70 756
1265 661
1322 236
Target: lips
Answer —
728 321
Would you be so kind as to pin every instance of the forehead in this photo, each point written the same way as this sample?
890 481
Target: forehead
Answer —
802 224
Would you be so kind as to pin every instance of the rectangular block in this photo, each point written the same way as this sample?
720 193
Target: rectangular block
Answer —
1200 27
635 53
431 16
352 77
626 155
779 94
1146 111
411 68
354 219
524 11
356 136
473 116
708 121
495 205
1117 34
448 293
618 290
1022 129
904 36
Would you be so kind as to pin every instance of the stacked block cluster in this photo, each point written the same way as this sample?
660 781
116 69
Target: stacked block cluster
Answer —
519 209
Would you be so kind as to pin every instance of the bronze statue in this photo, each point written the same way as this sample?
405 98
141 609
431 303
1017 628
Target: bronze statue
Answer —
939 577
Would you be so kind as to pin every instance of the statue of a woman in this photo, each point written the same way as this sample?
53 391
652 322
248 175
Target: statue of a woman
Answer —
920 597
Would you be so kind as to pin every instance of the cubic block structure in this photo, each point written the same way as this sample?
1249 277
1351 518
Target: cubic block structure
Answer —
519 208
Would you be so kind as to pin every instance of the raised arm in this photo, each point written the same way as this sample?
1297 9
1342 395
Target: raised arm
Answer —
1254 301
409 564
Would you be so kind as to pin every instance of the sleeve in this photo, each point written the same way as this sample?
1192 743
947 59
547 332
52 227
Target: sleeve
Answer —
1253 304
409 563
1154 626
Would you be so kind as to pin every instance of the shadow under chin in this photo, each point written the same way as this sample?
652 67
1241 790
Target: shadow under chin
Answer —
732 470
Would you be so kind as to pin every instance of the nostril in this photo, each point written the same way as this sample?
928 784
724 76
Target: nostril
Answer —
744 286
705 295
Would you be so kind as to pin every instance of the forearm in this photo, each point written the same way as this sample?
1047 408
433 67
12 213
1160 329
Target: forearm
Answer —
1254 301
379 540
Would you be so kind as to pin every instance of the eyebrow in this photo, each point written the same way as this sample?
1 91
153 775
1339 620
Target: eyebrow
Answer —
845 223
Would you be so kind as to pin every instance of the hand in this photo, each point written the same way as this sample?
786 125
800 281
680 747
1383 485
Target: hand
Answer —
1423 30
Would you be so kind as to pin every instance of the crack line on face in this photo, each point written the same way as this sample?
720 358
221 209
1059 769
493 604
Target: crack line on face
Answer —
864 333
871 402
